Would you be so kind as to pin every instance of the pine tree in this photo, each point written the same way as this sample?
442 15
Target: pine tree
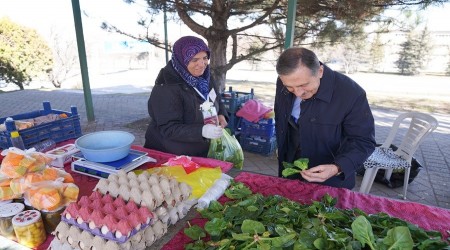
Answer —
407 61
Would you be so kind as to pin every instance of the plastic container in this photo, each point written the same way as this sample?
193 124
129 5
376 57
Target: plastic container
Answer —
16 140
234 123
29 228
52 219
105 146
45 145
7 212
264 128
59 130
258 145
233 100
62 155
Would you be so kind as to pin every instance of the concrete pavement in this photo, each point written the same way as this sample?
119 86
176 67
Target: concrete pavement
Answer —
117 111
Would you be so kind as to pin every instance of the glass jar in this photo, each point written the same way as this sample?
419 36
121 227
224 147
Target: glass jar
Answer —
52 219
29 228
7 212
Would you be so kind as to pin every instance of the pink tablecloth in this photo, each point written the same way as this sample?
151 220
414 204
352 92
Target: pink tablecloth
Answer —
87 183
427 217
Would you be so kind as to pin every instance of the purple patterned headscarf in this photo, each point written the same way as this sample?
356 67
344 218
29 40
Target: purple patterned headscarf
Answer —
184 50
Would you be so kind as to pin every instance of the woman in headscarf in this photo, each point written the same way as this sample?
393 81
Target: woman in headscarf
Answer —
177 124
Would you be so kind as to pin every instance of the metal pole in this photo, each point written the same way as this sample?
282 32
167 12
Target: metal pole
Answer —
83 60
290 24
166 43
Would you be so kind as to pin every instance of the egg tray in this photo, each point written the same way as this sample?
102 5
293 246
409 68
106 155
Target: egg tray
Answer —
109 235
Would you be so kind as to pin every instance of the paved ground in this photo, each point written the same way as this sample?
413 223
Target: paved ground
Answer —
117 111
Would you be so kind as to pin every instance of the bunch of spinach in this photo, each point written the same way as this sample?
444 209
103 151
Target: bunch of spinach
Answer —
254 221
296 167
227 148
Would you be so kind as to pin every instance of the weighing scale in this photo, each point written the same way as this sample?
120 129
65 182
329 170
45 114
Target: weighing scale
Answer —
102 170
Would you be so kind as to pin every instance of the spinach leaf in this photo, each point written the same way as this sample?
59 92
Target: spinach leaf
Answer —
362 231
194 232
295 168
399 238
254 221
252 227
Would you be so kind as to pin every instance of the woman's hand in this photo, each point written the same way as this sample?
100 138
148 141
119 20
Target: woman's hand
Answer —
222 121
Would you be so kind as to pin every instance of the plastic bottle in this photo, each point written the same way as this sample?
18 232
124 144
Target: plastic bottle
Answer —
16 140
45 145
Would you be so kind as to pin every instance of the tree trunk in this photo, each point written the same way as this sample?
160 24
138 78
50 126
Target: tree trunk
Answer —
218 61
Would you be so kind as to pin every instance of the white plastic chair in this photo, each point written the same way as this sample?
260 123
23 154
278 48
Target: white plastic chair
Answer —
420 125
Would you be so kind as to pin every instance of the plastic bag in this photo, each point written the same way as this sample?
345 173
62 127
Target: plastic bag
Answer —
51 195
200 180
227 148
18 162
185 161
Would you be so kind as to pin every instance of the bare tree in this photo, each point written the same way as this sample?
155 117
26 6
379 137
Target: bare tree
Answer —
65 59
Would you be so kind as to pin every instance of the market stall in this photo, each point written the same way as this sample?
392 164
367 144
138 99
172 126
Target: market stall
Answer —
427 217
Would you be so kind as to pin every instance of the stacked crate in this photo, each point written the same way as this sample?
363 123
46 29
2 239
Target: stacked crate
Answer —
258 137
58 130
233 101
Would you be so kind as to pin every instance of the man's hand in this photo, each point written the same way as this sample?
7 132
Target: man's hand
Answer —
320 173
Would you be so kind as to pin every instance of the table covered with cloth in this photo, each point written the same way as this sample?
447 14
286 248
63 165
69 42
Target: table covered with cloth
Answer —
86 183
427 217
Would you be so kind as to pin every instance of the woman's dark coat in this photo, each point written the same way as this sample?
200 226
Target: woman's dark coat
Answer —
176 119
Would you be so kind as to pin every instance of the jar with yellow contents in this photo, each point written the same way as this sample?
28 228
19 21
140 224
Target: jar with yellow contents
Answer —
7 212
29 228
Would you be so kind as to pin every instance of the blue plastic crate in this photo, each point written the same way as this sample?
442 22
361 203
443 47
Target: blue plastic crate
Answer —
264 128
234 123
233 100
59 130
263 146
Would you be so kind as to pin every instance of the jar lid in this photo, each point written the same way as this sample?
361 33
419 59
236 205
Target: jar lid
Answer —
5 202
26 218
8 210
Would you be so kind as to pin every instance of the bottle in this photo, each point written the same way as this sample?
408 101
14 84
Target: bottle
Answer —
16 140
45 145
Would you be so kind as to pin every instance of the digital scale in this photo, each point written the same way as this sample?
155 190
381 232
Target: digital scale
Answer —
102 170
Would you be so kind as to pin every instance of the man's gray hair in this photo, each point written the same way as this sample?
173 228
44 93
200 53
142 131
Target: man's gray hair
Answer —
293 58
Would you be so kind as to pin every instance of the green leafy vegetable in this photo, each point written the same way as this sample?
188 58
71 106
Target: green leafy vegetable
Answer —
237 190
195 232
227 148
295 168
254 221
362 231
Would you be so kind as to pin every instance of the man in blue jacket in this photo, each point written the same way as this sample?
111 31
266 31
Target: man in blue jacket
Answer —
321 115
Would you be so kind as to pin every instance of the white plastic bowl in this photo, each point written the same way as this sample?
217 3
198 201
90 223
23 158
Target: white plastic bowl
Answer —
105 146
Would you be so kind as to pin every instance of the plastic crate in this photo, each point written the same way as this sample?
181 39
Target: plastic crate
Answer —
264 128
258 145
59 130
234 123
233 100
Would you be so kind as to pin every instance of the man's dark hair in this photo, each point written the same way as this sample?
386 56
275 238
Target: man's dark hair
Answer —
293 58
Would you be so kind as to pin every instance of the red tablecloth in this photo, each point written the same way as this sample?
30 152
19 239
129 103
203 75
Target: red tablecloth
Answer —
86 183
427 217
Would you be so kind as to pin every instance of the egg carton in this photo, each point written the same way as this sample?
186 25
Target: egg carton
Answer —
109 235
68 237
